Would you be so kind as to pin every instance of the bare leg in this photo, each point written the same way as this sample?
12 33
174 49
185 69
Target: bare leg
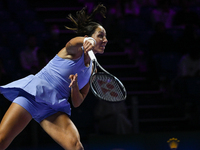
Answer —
14 121
63 131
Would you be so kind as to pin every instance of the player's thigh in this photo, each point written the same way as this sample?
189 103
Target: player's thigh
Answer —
60 127
14 121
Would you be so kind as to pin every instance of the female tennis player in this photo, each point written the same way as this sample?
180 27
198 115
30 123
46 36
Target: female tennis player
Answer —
44 96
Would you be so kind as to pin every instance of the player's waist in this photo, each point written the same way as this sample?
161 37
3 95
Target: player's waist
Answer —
60 85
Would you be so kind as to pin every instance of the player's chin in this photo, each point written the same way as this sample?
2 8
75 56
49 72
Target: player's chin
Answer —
101 50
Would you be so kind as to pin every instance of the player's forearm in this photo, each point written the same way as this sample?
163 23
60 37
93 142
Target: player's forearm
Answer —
76 96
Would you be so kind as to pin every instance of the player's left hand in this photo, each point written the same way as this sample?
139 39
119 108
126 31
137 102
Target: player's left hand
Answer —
73 79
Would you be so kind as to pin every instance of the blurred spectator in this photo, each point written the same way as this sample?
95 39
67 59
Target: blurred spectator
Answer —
32 58
132 7
116 9
163 13
54 43
136 54
112 118
185 16
189 65
126 7
160 41
186 84
188 45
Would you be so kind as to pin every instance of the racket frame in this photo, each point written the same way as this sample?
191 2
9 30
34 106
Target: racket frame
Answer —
96 63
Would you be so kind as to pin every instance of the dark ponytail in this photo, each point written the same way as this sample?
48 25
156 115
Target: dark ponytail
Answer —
84 24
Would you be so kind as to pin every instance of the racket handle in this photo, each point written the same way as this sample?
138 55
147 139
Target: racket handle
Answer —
91 55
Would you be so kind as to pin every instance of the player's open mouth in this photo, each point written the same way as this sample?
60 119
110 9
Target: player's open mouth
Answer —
103 46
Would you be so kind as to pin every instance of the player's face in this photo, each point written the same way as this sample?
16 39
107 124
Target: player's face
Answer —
101 40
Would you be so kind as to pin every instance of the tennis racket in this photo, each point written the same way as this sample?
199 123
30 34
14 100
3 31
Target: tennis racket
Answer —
104 85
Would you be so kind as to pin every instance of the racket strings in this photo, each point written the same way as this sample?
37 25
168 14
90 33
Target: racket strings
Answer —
108 87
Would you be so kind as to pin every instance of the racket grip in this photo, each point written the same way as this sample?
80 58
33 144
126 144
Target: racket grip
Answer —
91 55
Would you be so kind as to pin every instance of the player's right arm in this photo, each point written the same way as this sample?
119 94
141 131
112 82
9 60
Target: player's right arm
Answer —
72 49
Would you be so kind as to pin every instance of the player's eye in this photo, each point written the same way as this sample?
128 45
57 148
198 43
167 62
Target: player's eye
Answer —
101 36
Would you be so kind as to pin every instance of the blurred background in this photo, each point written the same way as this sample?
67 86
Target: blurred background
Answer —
153 48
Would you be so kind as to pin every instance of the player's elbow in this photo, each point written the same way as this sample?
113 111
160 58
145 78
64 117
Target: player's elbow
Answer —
77 103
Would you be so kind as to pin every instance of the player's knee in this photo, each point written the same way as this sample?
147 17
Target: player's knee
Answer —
76 145
79 146
4 143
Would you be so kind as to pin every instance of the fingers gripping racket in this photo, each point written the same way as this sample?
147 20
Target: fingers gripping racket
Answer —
105 85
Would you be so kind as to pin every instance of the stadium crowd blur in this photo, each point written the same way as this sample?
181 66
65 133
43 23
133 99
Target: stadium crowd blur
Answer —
162 37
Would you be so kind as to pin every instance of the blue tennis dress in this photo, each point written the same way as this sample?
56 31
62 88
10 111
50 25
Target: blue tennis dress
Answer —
50 86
